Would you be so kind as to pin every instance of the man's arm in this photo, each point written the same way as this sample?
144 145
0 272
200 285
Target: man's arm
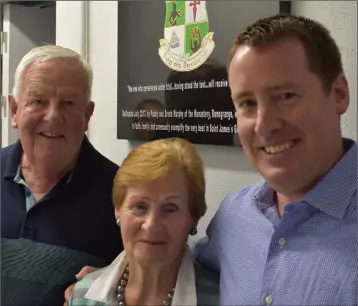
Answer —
206 250
80 275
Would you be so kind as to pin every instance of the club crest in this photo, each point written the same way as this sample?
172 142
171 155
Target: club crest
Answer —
187 42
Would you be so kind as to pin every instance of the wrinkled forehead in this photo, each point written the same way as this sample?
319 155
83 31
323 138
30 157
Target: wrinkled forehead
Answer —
168 180
51 92
55 77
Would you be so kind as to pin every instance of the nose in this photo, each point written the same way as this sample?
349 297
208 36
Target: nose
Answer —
152 222
268 120
53 113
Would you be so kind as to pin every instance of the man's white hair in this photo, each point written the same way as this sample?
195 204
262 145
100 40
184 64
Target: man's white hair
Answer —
47 53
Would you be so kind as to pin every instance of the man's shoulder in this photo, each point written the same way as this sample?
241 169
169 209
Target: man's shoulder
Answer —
106 164
95 159
103 159
207 285
7 154
81 288
7 149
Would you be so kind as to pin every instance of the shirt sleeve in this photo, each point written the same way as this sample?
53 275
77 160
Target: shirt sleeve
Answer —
80 289
206 250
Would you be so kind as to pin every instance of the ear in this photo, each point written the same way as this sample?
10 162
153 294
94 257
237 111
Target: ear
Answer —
116 213
13 110
89 112
340 94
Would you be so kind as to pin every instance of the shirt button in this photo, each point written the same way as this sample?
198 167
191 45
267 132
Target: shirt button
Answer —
268 300
282 242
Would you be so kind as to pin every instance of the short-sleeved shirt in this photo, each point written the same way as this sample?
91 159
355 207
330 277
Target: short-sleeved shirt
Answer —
45 244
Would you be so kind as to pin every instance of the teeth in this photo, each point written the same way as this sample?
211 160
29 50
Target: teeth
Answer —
50 135
278 148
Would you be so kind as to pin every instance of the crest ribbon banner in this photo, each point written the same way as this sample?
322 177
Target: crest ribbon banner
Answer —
187 42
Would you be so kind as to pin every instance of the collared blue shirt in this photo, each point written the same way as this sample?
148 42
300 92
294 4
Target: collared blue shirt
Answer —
306 257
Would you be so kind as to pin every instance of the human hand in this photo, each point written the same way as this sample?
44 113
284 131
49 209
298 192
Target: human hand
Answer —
84 271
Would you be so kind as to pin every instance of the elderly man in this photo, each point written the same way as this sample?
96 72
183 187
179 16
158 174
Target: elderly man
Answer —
291 239
56 208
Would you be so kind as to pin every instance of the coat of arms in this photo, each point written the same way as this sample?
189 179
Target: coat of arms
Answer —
187 42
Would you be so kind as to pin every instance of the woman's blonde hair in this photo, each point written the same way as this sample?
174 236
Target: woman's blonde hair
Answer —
153 160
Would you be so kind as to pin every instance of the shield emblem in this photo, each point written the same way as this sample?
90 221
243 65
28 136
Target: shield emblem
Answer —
187 42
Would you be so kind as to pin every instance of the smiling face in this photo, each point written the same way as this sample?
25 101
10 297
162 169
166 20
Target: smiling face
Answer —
156 220
288 125
52 113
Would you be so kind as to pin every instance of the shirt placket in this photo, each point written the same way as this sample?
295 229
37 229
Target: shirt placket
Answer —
284 229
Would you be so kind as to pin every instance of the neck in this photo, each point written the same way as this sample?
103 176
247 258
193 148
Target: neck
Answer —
41 177
150 285
282 200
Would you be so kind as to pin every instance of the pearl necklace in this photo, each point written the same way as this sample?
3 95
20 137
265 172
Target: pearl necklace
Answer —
122 286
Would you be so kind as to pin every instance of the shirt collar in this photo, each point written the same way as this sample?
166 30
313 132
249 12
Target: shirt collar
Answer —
103 289
18 175
13 164
332 194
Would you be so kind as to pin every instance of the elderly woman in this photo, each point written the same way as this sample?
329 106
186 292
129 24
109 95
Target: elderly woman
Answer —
159 197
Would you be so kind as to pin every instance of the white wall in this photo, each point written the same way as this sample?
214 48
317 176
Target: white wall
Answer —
340 17
71 25
226 168
27 27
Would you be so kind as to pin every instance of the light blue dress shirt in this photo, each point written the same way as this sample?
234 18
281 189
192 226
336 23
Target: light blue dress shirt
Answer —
307 257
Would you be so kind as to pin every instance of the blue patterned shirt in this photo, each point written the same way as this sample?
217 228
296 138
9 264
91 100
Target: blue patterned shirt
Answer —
306 257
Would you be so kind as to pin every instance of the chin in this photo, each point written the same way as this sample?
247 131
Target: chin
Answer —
51 155
54 159
277 175
149 258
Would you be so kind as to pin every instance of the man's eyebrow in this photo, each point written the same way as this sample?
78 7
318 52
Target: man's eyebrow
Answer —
241 95
70 96
35 92
246 94
281 86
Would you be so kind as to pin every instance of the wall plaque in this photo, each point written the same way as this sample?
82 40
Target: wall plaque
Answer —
172 78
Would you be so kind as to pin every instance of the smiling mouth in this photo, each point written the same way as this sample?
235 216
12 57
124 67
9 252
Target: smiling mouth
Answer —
153 243
279 148
51 135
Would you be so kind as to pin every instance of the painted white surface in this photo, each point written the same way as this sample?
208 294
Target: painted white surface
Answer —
71 25
226 168
27 27
340 18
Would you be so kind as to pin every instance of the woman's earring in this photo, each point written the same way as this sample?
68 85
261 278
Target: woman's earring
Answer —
118 221
194 231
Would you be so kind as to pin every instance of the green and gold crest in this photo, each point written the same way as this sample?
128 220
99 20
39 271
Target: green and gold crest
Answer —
187 42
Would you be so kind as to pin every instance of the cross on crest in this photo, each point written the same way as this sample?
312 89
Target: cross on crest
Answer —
195 9
187 41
